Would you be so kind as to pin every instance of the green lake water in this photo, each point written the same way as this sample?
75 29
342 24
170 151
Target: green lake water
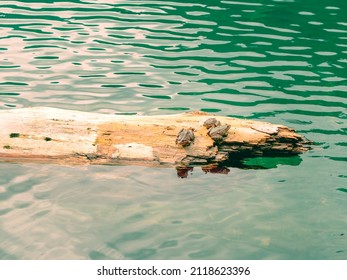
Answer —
281 61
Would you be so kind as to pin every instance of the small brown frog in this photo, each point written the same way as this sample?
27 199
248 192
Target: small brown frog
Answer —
215 169
183 172
185 137
217 133
211 122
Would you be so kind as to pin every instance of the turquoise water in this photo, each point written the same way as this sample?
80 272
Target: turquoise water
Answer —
278 61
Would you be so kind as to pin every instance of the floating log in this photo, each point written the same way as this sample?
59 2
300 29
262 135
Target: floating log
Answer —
182 140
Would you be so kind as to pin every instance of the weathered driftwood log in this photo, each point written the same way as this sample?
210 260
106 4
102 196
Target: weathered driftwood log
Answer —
194 138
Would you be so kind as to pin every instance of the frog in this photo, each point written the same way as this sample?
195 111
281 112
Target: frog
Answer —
183 171
211 122
219 132
214 169
185 137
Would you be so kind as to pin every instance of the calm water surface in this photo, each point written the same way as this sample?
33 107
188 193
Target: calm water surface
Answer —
280 61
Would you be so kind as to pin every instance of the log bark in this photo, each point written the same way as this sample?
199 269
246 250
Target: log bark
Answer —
73 137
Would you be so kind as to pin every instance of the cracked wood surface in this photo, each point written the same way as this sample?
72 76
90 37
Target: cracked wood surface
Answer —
72 137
